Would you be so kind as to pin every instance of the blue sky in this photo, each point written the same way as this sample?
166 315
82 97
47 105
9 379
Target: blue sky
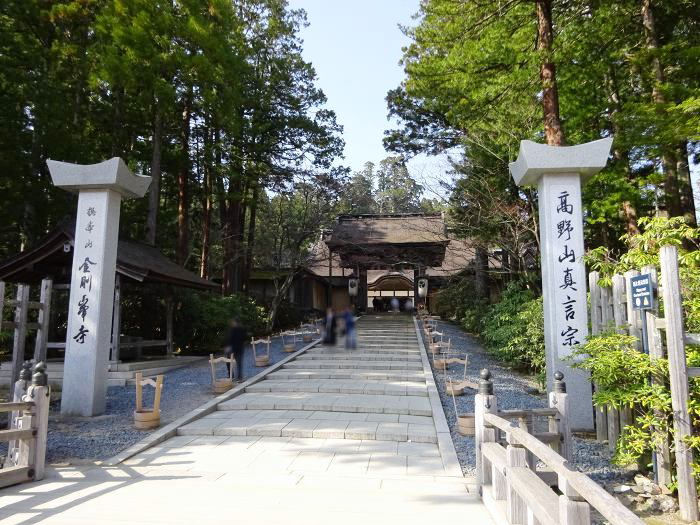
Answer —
355 47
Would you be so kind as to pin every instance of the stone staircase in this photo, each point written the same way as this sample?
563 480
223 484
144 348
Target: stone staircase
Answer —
376 392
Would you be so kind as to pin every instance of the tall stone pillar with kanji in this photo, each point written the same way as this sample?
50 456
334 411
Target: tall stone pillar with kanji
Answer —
100 188
558 172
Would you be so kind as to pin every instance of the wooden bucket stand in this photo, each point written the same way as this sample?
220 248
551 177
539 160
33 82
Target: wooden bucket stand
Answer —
144 418
435 347
262 359
465 422
221 385
289 340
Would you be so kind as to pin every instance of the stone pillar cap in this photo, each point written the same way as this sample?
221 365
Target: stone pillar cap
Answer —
535 160
112 174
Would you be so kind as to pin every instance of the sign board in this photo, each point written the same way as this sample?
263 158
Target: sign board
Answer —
642 298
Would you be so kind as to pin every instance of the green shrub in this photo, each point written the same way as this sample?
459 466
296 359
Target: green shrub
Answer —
458 303
513 329
201 321
623 378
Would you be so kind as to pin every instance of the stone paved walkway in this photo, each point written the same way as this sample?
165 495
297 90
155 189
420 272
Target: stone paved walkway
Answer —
349 436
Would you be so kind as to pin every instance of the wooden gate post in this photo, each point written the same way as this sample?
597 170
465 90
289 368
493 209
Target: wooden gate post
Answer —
22 305
44 318
678 372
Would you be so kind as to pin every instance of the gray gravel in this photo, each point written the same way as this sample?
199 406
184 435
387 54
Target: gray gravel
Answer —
510 388
80 440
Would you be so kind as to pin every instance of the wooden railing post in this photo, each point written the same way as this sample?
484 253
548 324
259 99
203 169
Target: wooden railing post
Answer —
39 392
678 373
573 509
484 402
559 399
20 390
516 507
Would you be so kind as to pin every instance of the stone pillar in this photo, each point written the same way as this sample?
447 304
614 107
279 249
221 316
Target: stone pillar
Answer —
100 188
557 172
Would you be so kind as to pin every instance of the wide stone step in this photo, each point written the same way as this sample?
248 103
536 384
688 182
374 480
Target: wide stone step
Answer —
365 403
349 373
339 364
342 386
364 356
314 424
364 349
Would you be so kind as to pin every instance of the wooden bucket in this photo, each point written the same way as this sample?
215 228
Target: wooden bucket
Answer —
289 348
307 338
222 385
465 424
454 389
146 419
262 360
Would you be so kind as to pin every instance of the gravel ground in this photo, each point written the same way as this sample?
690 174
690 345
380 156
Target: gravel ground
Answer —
81 440
510 387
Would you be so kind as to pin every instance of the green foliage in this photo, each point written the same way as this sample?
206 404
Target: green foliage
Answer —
643 250
458 302
627 378
513 329
202 320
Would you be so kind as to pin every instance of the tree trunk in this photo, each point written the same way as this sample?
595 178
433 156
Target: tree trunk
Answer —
206 206
182 179
250 244
554 133
154 189
231 236
481 261
669 160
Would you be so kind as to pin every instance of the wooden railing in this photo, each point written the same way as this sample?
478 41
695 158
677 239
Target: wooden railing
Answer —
26 435
506 459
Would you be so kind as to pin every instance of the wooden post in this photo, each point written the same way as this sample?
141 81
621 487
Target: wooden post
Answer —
516 507
678 372
40 393
606 313
559 399
19 391
594 288
601 419
26 448
484 402
573 509
169 313
116 319
42 334
633 316
20 333
619 308
2 302
656 351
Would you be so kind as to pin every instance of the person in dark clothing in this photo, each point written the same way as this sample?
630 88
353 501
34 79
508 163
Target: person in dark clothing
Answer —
235 345
350 333
330 327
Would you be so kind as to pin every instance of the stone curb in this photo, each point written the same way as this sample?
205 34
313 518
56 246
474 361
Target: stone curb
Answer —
170 430
445 444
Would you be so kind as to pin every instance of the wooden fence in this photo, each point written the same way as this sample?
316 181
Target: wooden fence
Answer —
26 435
510 485
612 309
